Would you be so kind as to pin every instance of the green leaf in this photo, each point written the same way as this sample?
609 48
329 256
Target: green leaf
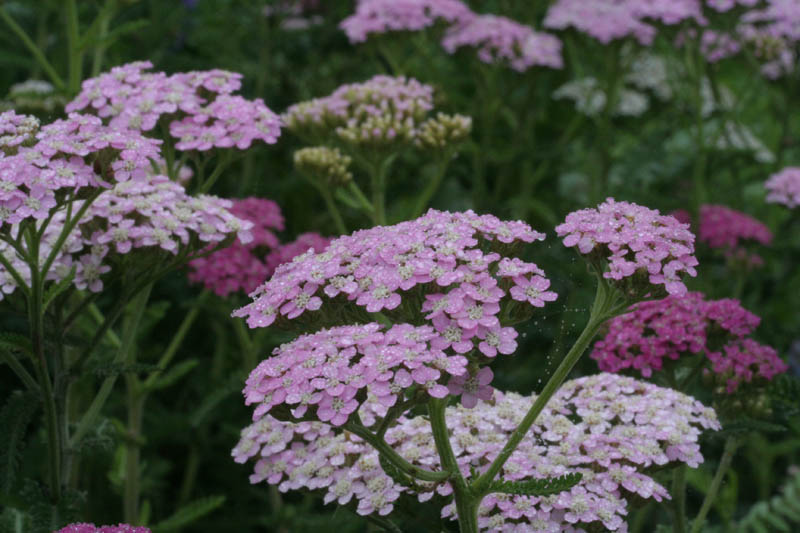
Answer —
14 420
189 513
781 513
57 288
537 487
395 473
15 341
346 199
174 374
115 34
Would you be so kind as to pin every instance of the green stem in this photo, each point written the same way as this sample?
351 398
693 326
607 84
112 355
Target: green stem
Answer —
227 159
128 336
433 185
99 318
378 184
606 305
361 197
392 456
37 53
177 339
699 170
100 49
248 348
75 56
679 499
19 370
731 445
133 448
68 227
325 191
466 499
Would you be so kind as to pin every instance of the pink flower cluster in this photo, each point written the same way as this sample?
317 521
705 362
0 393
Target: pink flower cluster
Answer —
677 326
437 260
60 160
500 39
202 111
609 428
383 16
325 373
241 266
633 239
607 20
784 187
91 528
381 110
155 214
286 252
16 129
727 229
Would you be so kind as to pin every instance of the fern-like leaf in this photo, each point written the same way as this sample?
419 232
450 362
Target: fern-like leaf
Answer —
189 513
747 425
14 419
395 473
781 513
537 487
15 342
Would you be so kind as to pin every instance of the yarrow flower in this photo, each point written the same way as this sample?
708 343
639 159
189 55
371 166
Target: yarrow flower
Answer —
500 39
383 16
680 326
633 240
727 229
134 209
241 267
91 528
609 428
201 109
286 252
381 111
784 187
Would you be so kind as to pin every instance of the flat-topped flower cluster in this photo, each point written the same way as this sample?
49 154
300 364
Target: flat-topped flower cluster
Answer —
200 108
382 16
85 527
607 427
681 326
633 239
730 230
784 187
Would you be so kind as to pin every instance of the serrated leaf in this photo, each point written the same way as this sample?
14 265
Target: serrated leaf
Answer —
174 374
14 420
57 288
537 487
189 513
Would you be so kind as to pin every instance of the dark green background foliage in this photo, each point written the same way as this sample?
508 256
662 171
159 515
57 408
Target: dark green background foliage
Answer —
536 154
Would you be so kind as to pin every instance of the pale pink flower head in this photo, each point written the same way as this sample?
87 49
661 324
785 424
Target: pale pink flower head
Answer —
784 187
84 527
612 429
499 39
732 231
373 17
632 240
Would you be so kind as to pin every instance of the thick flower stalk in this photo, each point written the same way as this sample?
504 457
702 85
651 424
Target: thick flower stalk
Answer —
610 429
639 245
784 187
200 108
676 327
499 39
377 17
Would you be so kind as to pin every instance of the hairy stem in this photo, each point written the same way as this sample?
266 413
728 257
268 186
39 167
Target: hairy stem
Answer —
731 445
679 499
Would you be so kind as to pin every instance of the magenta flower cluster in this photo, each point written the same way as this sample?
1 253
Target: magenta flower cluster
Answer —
500 39
200 108
680 326
784 187
241 266
633 239
609 428
727 229
91 528
383 16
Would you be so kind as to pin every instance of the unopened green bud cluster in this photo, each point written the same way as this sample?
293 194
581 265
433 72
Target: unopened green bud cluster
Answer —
327 165
443 131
